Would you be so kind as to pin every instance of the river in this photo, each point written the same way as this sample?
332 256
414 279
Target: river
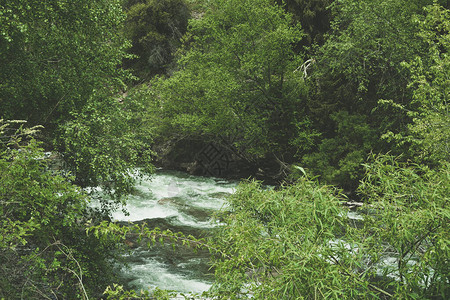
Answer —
180 202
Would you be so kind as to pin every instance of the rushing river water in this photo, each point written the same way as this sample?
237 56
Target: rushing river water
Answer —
180 202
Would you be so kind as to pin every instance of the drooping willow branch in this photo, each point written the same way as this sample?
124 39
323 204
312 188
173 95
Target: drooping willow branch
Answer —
141 231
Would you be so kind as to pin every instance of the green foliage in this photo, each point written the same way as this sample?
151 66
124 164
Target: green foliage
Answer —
408 220
143 235
236 82
360 63
104 141
155 28
298 243
339 159
55 54
427 137
43 250
361 57
313 15
240 83
30 194
117 292
284 244
60 68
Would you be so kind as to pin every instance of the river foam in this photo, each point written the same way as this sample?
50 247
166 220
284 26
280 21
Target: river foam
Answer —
178 200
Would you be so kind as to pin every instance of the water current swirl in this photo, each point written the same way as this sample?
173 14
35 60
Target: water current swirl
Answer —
180 202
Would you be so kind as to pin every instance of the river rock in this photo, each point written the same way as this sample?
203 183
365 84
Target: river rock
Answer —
169 200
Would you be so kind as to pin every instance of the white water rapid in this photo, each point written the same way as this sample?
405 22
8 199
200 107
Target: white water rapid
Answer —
179 202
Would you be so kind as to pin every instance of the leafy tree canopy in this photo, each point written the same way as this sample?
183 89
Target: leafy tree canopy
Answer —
61 69
155 28
313 15
43 249
300 242
360 63
426 139
56 55
237 81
